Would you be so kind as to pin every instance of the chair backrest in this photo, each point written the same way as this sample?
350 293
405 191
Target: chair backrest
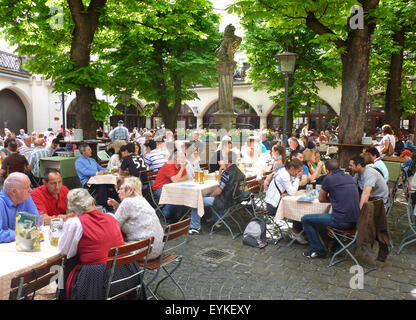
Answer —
254 186
29 282
410 213
122 255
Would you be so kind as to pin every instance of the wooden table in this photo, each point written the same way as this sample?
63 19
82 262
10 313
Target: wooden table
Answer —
103 179
188 193
14 262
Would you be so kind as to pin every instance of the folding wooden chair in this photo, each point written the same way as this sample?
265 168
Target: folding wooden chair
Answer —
235 206
29 282
169 255
347 239
154 200
410 234
122 255
392 196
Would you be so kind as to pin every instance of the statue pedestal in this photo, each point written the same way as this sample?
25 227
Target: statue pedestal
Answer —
226 120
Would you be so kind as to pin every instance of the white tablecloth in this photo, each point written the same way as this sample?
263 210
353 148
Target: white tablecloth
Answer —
188 193
293 209
103 179
14 262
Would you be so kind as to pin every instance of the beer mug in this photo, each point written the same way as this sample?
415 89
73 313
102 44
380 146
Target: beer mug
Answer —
217 176
201 177
196 176
309 190
318 189
56 228
206 173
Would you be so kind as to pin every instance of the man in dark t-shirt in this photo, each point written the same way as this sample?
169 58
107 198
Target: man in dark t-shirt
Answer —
134 164
342 192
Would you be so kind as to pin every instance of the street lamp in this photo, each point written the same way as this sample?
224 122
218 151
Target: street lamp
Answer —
286 66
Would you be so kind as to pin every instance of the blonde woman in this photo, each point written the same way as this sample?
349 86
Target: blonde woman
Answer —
138 219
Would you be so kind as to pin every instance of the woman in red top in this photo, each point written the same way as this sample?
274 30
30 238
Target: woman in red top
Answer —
86 241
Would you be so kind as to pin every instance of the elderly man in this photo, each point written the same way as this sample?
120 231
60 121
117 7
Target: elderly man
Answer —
51 197
294 144
14 197
86 167
22 134
120 133
27 148
34 158
370 182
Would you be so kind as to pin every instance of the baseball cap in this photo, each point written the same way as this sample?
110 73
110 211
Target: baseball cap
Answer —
405 153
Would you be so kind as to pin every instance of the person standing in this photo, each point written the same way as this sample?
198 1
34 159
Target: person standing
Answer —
120 133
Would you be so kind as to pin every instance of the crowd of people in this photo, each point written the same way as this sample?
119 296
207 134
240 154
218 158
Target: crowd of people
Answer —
126 213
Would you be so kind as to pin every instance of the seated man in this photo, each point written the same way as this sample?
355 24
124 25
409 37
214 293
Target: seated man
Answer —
27 148
50 199
378 163
172 171
229 174
14 162
341 191
370 182
86 167
14 197
154 158
216 158
34 159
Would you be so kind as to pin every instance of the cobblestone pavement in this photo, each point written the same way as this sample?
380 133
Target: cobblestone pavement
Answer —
278 272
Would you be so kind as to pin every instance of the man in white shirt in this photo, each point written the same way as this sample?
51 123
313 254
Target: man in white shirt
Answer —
285 182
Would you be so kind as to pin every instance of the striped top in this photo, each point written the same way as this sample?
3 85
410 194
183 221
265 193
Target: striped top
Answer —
34 159
155 160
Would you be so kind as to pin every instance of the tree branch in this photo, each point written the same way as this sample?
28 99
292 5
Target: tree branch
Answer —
313 23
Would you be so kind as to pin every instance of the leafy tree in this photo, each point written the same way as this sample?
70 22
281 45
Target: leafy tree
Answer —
263 42
392 59
163 53
337 31
58 36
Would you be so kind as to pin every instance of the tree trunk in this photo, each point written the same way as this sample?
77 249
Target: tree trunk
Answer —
86 22
394 83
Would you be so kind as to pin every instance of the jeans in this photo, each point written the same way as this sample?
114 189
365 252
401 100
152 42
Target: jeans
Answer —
168 209
195 218
309 222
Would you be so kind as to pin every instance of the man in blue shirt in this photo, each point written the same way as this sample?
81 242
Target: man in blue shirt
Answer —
341 191
15 197
86 167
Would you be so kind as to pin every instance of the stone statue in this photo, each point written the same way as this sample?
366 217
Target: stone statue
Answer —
229 45
226 65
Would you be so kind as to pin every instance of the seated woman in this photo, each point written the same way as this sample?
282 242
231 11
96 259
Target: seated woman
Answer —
251 151
138 219
193 160
278 155
86 241
314 174
117 158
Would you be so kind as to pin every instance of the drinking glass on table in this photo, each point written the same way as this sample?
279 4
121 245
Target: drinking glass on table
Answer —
201 177
206 174
318 189
196 178
309 190
217 176
55 230
41 225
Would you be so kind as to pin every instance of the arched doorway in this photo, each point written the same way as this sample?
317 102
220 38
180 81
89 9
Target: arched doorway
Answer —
71 114
130 115
319 115
12 112
247 117
185 114
375 113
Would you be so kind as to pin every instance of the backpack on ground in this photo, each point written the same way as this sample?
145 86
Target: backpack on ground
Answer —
255 234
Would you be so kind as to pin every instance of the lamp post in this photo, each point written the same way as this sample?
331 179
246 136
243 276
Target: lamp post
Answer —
287 66
63 97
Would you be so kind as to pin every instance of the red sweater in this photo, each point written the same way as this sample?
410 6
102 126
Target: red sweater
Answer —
165 174
100 233
45 202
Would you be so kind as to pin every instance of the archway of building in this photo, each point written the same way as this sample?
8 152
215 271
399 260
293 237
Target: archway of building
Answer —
318 117
246 115
186 115
12 111
130 115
